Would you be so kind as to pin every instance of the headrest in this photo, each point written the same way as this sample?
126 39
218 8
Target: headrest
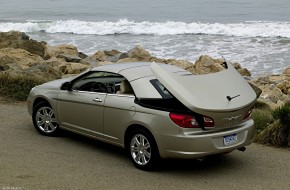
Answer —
126 87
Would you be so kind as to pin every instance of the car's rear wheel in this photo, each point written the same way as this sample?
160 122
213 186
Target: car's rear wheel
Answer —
143 150
44 119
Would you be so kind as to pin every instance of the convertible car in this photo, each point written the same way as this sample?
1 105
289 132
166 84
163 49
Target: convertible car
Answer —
152 110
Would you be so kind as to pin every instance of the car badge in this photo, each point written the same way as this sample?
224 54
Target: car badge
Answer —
232 118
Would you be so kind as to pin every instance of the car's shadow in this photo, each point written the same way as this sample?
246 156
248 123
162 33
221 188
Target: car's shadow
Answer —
211 163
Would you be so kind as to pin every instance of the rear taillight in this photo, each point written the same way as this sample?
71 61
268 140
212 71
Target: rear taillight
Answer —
208 122
189 121
248 114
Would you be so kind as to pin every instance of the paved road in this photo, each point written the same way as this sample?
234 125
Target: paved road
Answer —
31 161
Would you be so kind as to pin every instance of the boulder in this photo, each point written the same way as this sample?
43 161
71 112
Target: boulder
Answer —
180 63
157 60
284 86
104 63
117 57
192 69
139 53
206 64
112 52
61 51
271 94
44 71
82 55
99 56
20 57
69 58
287 72
127 60
15 39
72 68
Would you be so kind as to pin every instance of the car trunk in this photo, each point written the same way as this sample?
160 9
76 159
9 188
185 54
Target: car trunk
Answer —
224 96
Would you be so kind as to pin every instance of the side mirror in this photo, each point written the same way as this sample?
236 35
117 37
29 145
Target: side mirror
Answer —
66 86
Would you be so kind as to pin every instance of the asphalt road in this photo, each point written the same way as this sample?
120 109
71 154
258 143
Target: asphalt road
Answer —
31 161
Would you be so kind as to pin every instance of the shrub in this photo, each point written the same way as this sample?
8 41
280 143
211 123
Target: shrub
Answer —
262 119
277 133
17 87
283 114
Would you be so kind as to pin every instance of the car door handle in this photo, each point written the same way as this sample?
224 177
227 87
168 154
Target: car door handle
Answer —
97 100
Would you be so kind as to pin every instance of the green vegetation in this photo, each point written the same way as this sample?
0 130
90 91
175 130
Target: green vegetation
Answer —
272 127
17 87
262 118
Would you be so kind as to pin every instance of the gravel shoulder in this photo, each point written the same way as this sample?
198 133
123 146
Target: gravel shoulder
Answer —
31 161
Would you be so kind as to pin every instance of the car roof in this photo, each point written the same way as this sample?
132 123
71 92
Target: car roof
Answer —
134 70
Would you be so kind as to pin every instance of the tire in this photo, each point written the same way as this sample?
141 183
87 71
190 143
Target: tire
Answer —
44 119
143 150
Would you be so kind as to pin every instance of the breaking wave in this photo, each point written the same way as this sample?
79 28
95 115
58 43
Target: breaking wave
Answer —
124 26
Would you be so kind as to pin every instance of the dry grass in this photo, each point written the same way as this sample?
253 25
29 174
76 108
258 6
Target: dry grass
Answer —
273 129
17 87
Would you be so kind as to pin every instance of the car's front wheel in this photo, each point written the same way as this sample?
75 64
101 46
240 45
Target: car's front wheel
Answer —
44 119
143 150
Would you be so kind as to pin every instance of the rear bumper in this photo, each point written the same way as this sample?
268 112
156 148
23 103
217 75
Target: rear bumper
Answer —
192 145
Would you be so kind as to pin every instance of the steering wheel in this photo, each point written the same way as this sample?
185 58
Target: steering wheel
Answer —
98 87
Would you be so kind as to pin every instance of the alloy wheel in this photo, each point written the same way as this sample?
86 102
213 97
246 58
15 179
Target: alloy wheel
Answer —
140 149
45 120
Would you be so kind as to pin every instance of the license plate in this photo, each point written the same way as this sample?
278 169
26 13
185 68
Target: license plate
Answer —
230 139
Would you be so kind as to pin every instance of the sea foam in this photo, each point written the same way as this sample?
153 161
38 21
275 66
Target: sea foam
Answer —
124 26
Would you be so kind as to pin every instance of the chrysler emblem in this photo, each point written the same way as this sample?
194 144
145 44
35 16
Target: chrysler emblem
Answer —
232 118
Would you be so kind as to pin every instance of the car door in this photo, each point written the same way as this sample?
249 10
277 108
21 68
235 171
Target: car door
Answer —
80 107
81 111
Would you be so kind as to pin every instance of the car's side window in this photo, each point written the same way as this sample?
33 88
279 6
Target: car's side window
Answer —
98 81
161 89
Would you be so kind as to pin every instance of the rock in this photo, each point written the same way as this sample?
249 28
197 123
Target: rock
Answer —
205 64
72 68
112 52
284 86
273 94
15 39
20 57
4 67
127 60
276 79
54 62
44 71
117 57
104 63
287 71
5 59
61 50
82 55
157 60
69 58
97 57
180 63
192 69
244 72
139 53
82 61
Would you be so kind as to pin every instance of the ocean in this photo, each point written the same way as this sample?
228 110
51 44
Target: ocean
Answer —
254 33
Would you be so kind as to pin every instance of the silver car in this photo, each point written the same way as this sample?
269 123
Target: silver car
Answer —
152 110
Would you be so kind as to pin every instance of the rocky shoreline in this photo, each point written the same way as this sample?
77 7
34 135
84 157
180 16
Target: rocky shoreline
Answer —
20 55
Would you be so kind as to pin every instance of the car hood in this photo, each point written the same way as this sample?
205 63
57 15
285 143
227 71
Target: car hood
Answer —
207 92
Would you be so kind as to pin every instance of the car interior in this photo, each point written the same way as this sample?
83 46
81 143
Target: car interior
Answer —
103 82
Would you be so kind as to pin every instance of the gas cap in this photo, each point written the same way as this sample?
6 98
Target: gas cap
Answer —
132 110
